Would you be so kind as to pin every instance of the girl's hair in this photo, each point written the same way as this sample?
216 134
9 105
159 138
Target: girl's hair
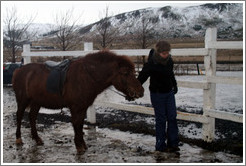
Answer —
162 46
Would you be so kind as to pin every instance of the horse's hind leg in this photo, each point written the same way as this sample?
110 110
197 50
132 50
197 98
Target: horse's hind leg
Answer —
19 114
33 117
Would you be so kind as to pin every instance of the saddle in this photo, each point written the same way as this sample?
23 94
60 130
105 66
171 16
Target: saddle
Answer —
57 75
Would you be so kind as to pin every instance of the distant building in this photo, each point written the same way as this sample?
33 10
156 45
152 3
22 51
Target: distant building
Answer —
42 47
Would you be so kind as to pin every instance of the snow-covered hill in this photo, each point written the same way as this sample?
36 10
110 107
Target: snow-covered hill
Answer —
172 22
181 22
40 29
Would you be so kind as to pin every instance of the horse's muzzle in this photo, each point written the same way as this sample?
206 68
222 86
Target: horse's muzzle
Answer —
136 93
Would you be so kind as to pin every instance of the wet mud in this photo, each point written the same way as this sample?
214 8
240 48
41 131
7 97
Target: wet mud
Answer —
229 134
118 137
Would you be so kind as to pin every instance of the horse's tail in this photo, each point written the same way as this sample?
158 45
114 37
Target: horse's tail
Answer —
19 79
14 78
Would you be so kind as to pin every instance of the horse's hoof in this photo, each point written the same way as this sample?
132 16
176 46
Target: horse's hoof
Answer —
19 141
81 150
39 142
84 146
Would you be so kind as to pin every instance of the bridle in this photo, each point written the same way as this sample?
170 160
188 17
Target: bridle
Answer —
119 93
123 95
124 82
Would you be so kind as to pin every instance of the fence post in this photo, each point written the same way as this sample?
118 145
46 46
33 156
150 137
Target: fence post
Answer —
210 93
88 46
91 112
26 50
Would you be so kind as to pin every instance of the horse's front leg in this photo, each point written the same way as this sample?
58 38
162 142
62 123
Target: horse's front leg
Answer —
78 116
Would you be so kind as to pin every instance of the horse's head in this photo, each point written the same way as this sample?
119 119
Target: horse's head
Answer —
125 80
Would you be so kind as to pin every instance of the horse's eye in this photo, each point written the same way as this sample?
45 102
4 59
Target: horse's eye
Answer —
125 73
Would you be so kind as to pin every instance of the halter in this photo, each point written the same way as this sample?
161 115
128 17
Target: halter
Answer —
95 80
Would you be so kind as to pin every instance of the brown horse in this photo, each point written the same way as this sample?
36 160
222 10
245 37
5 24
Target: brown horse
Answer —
85 79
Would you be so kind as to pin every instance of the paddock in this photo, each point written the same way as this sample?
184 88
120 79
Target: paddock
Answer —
106 145
208 86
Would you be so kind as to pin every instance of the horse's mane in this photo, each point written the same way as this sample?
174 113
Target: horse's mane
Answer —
104 57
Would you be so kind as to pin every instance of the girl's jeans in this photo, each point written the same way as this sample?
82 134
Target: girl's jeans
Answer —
165 111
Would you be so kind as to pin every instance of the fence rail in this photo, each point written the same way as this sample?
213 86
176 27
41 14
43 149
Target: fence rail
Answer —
208 86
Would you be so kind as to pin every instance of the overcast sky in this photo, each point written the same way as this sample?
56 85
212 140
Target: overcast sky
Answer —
90 11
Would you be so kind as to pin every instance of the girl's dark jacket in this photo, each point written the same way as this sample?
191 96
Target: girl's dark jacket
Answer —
162 79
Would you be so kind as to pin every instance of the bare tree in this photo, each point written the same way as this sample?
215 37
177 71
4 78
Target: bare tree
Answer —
106 31
15 32
66 31
145 33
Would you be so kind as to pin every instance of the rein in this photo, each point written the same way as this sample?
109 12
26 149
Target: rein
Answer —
118 93
126 97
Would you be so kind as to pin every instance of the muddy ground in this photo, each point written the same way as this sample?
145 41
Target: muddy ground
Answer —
118 137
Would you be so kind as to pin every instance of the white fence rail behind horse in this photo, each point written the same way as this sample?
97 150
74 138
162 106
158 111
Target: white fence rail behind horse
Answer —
208 86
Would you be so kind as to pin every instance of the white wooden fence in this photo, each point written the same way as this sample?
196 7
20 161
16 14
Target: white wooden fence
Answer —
208 86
